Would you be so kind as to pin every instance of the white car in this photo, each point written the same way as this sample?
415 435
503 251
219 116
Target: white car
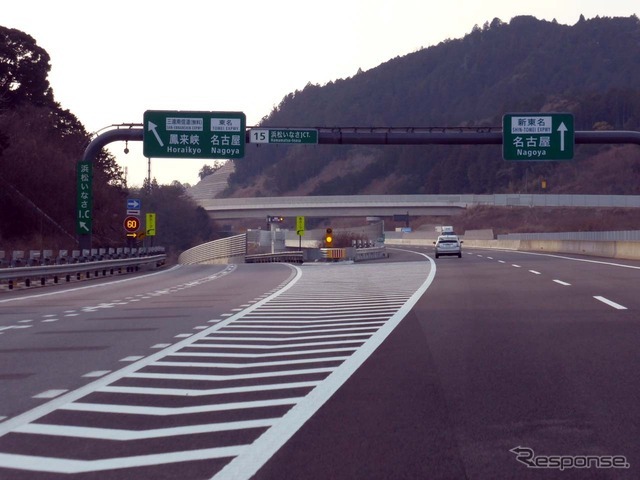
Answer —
448 245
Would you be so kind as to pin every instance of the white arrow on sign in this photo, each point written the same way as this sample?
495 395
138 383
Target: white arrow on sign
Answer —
562 129
84 226
152 128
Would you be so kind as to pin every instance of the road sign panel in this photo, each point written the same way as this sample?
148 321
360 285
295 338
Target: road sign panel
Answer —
538 136
183 134
134 204
84 199
131 224
300 226
150 225
283 135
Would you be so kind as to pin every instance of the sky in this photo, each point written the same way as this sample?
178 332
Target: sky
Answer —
112 61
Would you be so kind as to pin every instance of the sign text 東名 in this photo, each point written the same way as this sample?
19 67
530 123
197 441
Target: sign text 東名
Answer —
194 134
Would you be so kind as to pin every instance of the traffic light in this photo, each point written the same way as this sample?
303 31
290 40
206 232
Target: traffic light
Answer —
328 237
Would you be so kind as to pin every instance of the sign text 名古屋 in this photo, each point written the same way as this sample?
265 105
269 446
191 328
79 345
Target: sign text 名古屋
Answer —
538 136
182 134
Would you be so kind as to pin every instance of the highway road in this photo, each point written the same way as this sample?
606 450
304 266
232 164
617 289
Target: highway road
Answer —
497 365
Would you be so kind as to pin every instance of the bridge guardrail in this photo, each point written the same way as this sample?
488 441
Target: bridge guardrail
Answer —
216 251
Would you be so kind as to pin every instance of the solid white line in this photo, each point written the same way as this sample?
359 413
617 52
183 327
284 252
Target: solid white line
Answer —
248 365
306 323
282 347
261 355
246 376
615 305
290 339
166 411
184 392
562 283
124 435
270 330
57 465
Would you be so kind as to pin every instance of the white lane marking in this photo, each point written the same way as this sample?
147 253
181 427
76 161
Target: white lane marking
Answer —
97 374
133 358
185 392
516 266
244 466
501 261
50 394
615 305
248 365
273 347
310 351
183 335
246 376
562 283
169 411
57 465
255 455
15 327
25 321
535 272
161 345
124 435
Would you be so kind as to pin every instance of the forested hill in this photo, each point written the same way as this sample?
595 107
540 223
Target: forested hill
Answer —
591 69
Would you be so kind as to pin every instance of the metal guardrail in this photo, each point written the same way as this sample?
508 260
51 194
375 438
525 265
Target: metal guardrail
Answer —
13 275
372 253
286 257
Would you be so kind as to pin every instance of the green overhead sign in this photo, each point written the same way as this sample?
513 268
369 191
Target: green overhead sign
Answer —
84 198
538 136
283 135
182 134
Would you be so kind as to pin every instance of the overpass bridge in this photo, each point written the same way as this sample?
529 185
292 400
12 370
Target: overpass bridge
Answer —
389 205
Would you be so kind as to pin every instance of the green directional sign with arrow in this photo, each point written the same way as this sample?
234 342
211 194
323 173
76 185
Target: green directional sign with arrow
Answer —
84 199
538 136
182 134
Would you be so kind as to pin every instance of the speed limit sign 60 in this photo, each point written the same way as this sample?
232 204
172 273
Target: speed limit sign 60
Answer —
131 224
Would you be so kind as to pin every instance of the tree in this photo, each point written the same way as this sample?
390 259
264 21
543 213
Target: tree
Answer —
24 67
207 170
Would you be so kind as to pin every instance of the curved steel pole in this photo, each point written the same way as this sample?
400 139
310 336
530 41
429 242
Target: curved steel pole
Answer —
90 154
92 150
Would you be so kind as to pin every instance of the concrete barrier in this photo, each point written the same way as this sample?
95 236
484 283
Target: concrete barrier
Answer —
605 249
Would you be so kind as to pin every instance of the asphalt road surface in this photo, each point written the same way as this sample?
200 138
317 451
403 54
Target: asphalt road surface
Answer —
496 365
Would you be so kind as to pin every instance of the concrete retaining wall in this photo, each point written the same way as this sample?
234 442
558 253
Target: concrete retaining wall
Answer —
621 250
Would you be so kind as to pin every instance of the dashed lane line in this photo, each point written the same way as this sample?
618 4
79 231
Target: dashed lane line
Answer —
611 303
